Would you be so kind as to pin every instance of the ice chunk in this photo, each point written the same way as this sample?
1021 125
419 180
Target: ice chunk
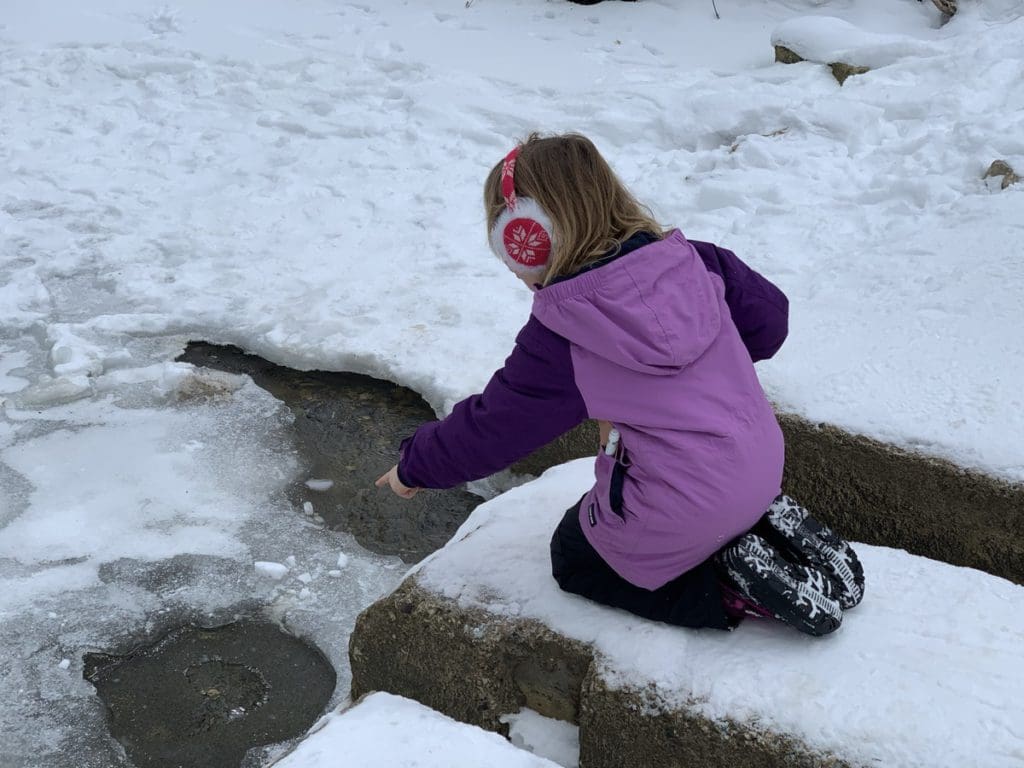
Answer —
271 570
54 391
342 560
319 485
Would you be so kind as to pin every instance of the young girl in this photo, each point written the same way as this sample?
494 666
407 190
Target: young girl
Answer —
655 336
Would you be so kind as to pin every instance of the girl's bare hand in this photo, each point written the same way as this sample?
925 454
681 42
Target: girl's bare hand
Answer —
390 478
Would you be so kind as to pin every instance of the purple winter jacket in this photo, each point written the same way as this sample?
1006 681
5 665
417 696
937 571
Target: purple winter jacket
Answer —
660 342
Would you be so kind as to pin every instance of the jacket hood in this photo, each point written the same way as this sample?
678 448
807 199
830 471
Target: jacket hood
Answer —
654 310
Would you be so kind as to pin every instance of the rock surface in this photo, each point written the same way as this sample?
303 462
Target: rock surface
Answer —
923 672
1002 168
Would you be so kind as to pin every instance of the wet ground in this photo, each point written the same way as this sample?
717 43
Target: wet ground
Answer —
201 698
347 429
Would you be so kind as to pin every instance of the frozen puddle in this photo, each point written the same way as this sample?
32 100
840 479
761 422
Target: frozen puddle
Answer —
347 430
129 517
204 697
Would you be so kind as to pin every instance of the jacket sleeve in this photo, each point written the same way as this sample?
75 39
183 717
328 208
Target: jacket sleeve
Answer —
759 309
527 404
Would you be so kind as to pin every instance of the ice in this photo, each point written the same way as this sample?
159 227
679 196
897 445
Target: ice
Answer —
10 361
276 571
48 390
342 559
64 664
307 507
319 485
130 515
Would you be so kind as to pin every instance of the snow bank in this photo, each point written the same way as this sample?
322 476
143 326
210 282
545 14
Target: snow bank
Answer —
385 731
826 39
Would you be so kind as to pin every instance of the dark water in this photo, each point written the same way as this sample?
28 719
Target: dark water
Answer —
348 428
200 698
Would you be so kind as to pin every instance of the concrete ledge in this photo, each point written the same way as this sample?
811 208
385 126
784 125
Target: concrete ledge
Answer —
475 666
652 732
925 672
468 663
878 494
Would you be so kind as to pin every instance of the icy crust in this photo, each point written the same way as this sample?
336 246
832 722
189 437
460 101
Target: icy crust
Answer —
306 185
385 731
129 514
925 672
826 39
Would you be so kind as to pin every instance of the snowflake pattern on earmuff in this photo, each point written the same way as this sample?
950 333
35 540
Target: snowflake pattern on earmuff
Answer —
521 236
527 242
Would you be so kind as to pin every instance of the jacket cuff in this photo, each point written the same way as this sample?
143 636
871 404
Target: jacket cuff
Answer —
403 474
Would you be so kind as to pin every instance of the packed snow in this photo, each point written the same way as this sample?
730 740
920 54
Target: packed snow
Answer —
302 178
385 731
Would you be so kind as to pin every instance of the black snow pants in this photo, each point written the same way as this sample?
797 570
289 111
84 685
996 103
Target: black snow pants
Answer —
693 599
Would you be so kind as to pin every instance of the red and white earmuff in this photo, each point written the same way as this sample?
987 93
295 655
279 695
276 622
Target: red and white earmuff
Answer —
522 234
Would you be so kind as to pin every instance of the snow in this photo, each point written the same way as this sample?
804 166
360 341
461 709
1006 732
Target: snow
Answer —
827 39
274 179
556 740
928 638
303 179
386 731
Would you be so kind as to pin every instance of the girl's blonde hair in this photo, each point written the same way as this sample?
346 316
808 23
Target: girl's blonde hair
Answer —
591 210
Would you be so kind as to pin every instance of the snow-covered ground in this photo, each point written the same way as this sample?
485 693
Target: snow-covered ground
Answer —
302 178
385 731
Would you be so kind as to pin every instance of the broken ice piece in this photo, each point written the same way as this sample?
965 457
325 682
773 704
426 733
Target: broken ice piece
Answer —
342 560
319 485
290 560
305 578
305 594
270 570
307 507
334 574
64 663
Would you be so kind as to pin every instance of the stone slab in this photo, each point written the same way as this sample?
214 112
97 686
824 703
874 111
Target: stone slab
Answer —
925 672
